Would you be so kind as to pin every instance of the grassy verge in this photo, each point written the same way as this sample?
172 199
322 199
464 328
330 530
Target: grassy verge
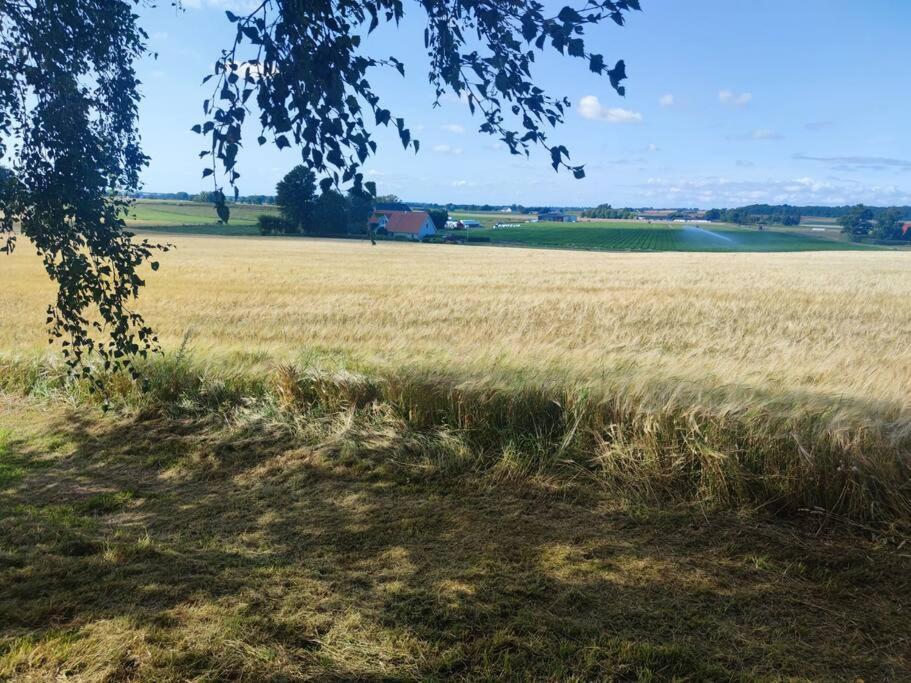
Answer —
652 442
191 545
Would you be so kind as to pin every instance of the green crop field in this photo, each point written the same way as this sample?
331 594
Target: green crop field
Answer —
628 236
489 219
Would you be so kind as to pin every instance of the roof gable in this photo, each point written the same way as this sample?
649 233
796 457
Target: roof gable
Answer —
408 222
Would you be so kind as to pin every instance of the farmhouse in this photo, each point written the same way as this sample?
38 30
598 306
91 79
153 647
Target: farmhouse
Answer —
415 225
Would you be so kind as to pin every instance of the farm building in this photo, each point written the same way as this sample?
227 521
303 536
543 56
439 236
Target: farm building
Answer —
415 225
556 217
470 223
906 228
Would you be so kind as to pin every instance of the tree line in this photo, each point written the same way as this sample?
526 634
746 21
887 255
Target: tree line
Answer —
607 211
306 210
882 224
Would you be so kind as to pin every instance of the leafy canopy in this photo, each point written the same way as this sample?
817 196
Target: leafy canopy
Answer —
68 120
300 63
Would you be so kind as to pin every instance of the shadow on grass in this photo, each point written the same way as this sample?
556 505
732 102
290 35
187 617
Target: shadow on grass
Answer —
161 548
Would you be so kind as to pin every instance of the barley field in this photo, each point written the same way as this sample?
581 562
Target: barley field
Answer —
427 462
824 323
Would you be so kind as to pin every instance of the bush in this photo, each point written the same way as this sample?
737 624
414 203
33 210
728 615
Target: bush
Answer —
274 225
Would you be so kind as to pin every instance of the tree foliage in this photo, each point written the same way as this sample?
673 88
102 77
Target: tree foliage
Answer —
439 217
301 64
68 108
858 222
607 211
296 195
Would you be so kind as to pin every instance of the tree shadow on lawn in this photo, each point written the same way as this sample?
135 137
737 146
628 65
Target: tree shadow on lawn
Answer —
229 553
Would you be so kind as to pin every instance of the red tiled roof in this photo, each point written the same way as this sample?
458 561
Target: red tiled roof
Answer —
408 222
905 228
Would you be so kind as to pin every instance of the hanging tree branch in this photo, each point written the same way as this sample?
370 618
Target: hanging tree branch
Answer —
300 62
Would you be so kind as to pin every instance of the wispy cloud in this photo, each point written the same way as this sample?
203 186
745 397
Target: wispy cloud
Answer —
859 162
736 99
818 125
447 149
591 108
456 128
653 147
759 134
721 191
666 100
766 134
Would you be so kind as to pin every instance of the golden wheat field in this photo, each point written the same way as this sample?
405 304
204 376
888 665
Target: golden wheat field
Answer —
826 323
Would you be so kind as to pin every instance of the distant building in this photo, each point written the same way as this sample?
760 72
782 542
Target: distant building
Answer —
414 225
469 223
556 217
906 228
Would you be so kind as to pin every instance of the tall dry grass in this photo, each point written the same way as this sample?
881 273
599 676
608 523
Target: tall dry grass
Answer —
778 380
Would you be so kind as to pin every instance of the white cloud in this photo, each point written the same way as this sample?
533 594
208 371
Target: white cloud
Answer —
456 128
653 147
767 134
591 108
666 100
447 149
722 191
859 163
463 183
736 99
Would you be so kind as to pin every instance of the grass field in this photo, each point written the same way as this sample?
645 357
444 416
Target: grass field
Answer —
419 461
195 217
628 236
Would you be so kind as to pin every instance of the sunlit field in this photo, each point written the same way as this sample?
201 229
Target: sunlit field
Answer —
826 323
416 461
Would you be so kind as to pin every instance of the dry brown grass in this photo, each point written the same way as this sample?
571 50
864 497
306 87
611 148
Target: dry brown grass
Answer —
149 548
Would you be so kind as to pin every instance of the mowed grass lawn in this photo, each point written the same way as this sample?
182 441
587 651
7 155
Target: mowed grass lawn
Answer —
423 462
630 236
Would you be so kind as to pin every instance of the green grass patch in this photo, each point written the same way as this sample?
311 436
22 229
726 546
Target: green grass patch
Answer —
148 213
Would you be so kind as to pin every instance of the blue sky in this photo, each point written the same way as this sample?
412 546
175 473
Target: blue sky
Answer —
728 103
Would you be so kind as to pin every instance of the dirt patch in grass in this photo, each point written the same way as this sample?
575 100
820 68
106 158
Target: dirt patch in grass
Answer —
156 548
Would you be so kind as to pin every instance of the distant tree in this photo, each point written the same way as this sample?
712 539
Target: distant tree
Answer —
330 215
360 204
439 217
713 215
858 222
205 197
388 199
606 211
296 195
269 224
887 224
